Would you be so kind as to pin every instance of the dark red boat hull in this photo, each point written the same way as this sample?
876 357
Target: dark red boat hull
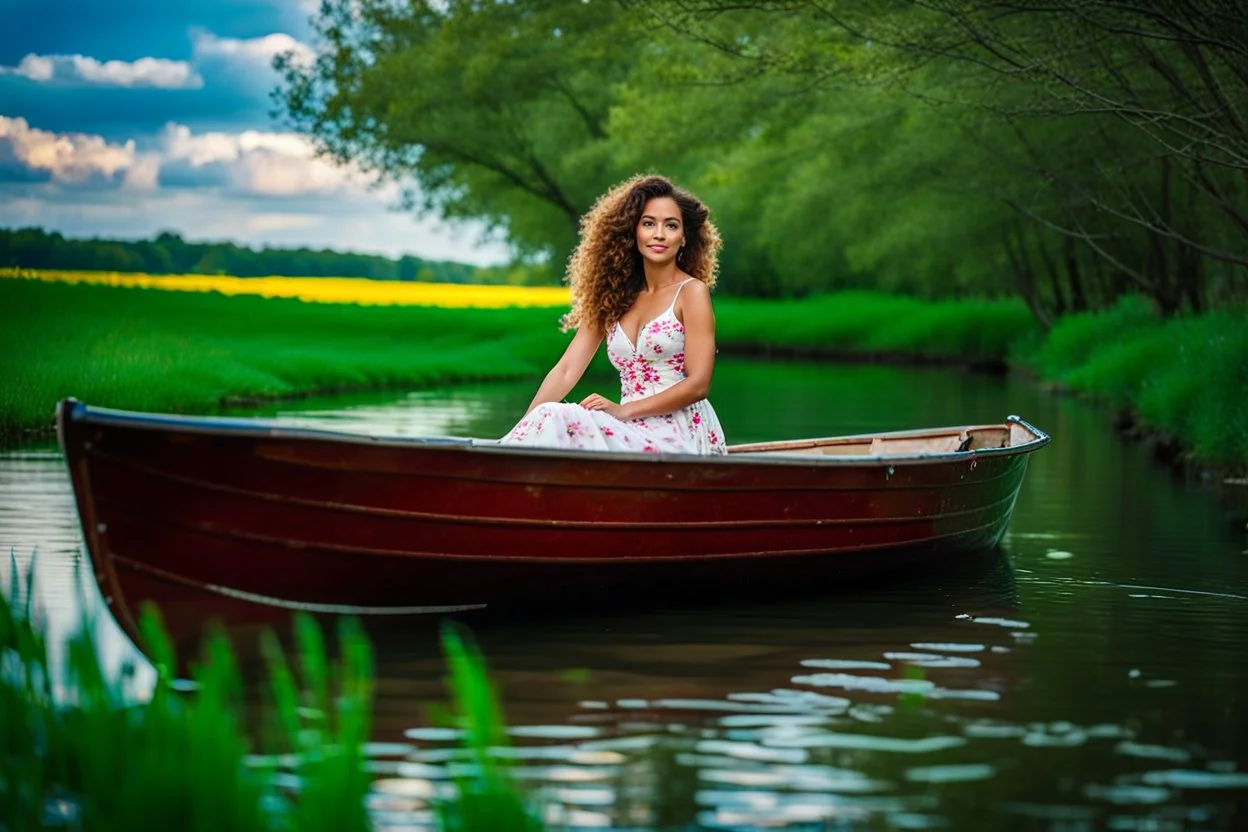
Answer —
232 517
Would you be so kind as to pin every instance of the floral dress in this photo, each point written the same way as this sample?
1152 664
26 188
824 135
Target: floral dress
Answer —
653 364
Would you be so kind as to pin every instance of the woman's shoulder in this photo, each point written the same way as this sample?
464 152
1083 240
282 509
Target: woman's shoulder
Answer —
695 297
693 284
694 288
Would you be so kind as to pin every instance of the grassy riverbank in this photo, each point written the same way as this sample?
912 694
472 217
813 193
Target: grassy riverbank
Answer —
1182 381
191 352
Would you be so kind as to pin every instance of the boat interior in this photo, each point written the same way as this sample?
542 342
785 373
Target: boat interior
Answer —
951 440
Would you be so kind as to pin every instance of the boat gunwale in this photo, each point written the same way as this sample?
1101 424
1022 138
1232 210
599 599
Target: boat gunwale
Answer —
76 411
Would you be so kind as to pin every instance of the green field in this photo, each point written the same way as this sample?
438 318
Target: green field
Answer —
188 352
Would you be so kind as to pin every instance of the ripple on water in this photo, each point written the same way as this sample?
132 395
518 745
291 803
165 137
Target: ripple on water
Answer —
807 778
868 742
554 732
950 773
948 647
1123 795
1196 779
584 796
932 660
750 751
769 720
870 684
1008 623
1152 752
845 664
796 700
752 809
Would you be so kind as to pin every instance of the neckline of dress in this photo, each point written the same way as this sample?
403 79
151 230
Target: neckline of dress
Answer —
653 320
642 329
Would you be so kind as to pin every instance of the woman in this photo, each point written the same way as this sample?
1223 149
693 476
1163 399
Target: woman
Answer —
641 278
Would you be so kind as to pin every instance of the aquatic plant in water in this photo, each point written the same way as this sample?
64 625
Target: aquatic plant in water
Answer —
486 797
77 750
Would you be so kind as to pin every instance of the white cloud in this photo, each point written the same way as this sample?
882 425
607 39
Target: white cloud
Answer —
263 163
257 52
73 70
255 162
253 187
143 174
69 157
244 56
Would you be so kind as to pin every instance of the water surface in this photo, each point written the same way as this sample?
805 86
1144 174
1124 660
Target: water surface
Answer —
1090 675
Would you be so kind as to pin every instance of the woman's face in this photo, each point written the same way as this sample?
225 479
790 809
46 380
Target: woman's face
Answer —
660 231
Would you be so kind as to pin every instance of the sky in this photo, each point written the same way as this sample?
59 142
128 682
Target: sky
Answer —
124 118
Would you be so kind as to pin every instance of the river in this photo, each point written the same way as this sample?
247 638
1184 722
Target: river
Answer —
1089 675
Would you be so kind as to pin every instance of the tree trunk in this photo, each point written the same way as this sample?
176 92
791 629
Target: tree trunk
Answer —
1025 280
1078 299
1055 279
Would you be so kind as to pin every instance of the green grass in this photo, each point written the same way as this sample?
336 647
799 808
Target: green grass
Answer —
1186 377
176 352
84 754
187 353
875 324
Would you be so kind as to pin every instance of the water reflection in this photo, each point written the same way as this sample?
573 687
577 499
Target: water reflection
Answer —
468 410
907 709
1089 676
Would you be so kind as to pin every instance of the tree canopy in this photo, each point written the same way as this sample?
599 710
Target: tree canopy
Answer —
1065 152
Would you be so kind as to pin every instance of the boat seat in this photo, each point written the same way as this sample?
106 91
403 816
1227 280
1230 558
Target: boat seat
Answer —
919 445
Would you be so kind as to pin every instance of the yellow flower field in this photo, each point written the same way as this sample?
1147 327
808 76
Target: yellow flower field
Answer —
320 289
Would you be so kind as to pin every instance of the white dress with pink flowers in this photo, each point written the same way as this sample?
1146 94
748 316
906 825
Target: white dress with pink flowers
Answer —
651 366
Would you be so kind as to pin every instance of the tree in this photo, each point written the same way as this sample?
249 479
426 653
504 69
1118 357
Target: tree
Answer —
481 109
1116 131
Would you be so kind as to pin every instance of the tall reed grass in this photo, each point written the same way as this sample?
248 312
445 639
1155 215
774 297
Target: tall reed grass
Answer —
78 751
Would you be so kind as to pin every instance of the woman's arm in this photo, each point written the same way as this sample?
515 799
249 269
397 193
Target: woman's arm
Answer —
570 367
699 322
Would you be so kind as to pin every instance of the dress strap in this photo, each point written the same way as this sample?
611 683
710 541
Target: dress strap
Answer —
672 305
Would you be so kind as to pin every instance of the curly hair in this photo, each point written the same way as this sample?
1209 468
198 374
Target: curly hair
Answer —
606 272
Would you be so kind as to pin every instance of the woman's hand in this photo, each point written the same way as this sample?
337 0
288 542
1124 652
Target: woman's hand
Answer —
597 402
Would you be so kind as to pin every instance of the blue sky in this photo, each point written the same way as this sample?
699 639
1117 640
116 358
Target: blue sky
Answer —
128 117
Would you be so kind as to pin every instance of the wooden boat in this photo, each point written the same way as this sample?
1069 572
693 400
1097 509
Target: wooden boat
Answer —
232 518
